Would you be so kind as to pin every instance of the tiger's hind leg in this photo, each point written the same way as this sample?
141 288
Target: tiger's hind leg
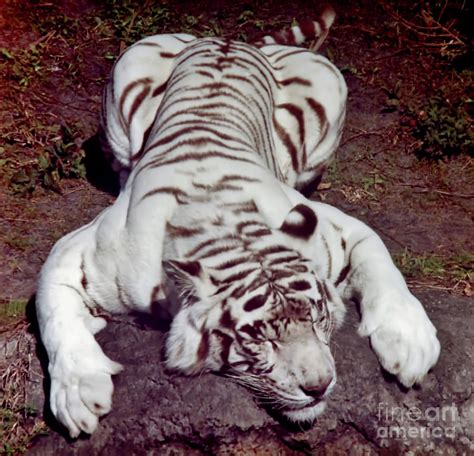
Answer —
133 96
308 115
81 384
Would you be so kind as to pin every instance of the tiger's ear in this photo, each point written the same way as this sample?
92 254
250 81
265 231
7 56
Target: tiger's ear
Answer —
190 279
300 223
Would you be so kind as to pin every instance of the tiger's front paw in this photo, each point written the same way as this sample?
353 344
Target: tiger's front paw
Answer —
81 386
403 337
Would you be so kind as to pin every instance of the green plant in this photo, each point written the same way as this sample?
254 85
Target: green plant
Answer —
23 65
443 127
212 28
61 160
374 181
51 18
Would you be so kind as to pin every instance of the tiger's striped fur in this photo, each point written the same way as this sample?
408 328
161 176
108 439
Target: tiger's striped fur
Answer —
297 98
210 137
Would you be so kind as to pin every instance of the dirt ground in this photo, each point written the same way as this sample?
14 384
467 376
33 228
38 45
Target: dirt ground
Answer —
54 61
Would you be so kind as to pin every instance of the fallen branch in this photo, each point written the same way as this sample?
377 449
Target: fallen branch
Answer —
433 30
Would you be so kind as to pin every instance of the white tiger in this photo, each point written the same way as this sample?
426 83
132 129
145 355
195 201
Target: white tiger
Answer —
210 137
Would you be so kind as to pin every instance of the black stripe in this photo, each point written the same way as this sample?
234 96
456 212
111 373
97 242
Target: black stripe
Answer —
193 156
255 303
138 102
300 285
285 259
287 142
320 112
177 231
298 114
217 251
346 269
328 252
231 263
295 80
176 192
126 91
205 73
160 89
205 244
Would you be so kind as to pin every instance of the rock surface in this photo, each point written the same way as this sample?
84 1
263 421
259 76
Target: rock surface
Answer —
368 413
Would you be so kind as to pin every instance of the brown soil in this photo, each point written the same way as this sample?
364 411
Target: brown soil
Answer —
416 205
54 61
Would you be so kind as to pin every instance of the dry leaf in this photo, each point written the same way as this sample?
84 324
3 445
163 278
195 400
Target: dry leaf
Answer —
324 186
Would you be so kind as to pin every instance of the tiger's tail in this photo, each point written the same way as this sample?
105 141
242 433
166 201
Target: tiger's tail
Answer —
306 30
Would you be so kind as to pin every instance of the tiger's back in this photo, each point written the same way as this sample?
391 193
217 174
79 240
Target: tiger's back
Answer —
251 104
211 120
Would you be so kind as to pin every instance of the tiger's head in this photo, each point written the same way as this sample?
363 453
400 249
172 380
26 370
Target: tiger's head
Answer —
268 329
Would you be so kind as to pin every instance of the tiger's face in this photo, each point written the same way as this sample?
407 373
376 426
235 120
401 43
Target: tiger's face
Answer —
273 340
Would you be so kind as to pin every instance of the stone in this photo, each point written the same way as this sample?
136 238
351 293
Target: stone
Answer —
156 412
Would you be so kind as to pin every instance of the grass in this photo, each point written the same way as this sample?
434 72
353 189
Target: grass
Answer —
19 420
38 149
131 20
447 270
12 310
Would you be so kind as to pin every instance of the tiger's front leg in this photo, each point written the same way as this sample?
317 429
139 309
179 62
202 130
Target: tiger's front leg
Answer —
80 372
113 263
400 332
356 261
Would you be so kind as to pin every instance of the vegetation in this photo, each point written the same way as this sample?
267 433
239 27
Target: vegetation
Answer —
449 270
443 127
12 310
62 159
131 20
19 420
442 26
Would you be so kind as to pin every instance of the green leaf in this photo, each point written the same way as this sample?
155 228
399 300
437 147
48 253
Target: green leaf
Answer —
44 162
6 53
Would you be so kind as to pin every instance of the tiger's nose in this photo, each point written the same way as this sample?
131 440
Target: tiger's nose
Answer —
318 389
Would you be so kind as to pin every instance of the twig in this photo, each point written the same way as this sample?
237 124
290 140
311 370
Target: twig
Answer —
44 98
422 189
393 54
6 219
362 133
426 31
44 38
20 324
358 28
81 187
442 10
414 283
